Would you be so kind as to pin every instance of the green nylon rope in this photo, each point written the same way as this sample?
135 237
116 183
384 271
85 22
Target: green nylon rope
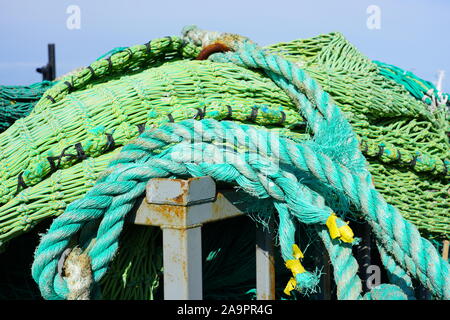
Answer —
329 116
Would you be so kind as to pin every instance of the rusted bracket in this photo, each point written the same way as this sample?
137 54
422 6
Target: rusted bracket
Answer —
180 208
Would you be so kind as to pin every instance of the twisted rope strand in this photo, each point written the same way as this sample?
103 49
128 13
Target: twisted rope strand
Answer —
397 236
115 194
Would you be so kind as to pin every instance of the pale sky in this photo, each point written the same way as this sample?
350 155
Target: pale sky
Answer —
413 35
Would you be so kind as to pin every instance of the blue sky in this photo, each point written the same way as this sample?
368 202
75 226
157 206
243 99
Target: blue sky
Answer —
413 34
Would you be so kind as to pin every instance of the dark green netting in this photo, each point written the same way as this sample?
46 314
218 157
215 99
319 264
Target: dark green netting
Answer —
17 101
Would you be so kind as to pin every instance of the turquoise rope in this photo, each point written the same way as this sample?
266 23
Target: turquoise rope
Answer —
332 131
396 274
433 274
118 185
142 155
417 87
114 194
345 267
386 292
111 52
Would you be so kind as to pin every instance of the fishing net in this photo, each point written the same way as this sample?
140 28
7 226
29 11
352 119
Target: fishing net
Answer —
55 154
17 101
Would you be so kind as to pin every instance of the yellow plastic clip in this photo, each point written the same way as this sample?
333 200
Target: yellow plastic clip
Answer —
296 267
290 286
344 233
298 254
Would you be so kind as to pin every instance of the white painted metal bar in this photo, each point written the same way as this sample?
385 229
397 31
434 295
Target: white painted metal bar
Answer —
182 259
265 264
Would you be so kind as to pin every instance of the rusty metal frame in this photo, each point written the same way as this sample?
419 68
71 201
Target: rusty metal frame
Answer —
180 208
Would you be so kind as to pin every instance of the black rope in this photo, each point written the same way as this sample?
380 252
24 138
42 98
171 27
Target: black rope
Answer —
200 114
283 117
170 40
130 52
109 63
184 43
51 98
110 144
141 127
169 115
92 71
69 85
80 152
55 166
412 163
380 150
51 161
399 157
20 183
254 114
230 112
148 45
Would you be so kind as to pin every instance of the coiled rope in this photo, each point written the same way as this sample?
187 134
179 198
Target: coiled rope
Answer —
316 172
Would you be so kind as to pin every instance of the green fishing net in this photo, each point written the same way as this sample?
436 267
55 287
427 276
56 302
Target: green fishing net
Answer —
55 154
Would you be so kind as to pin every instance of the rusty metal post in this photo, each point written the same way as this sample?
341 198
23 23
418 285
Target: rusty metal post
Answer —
265 264
445 246
180 207
182 260
175 199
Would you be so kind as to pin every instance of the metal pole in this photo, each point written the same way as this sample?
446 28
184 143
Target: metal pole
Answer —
182 259
265 264
49 70
445 247
51 62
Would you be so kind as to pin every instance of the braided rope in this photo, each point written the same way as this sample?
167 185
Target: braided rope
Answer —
399 237
371 202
